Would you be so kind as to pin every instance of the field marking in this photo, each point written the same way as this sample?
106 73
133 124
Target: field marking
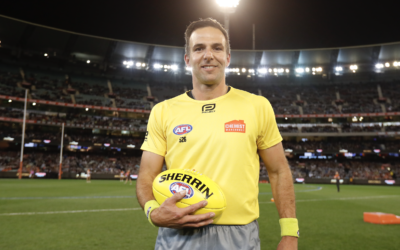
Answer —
66 197
73 211
345 198
138 208
117 197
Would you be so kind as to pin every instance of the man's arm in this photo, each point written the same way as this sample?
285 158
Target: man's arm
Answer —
168 214
281 181
150 166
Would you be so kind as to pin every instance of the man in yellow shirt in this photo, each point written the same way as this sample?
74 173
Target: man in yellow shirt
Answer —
221 132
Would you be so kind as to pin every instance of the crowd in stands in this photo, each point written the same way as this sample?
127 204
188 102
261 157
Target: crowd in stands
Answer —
76 119
391 92
349 128
344 128
74 137
319 129
56 88
336 146
349 169
302 99
49 162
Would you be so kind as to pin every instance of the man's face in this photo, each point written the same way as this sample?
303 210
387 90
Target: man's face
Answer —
207 56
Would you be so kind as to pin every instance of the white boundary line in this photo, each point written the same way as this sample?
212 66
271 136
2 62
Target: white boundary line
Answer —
138 208
73 211
65 197
344 198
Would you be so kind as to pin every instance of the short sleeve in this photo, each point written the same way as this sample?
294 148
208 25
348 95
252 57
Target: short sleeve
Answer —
155 140
268 132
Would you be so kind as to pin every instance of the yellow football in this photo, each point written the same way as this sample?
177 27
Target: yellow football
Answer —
198 188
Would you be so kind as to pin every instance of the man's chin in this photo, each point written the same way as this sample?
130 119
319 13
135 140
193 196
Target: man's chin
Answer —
211 81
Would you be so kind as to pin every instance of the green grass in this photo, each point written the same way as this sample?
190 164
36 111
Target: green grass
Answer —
327 219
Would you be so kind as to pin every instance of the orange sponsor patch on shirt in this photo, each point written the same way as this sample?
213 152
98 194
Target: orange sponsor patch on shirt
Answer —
235 126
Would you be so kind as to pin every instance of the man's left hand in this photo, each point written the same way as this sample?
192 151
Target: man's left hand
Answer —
288 243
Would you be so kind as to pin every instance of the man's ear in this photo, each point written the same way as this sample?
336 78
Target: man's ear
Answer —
187 60
228 60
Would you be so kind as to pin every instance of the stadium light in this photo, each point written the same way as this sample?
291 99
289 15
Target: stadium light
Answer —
262 71
379 65
128 64
307 69
88 61
174 67
395 64
353 67
227 7
34 104
387 65
228 3
8 138
138 64
86 109
299 70
339 69
157 66
287 70
9 100
45 54
243 70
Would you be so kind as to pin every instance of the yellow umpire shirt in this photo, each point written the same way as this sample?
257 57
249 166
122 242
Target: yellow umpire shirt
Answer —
220 139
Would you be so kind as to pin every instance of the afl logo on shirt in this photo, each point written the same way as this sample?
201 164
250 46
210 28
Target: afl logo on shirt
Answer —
182 129
180 186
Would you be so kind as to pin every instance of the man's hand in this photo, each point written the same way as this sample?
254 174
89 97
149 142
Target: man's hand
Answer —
169 215
288 243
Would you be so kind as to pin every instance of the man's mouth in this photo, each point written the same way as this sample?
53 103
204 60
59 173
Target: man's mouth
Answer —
208 67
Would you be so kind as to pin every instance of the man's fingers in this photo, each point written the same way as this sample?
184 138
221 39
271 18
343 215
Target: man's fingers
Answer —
193 208
199 218
176 197
200 224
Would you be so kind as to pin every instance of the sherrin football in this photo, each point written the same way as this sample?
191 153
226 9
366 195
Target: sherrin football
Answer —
198 188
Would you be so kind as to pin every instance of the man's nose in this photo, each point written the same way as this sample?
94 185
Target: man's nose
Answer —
208 55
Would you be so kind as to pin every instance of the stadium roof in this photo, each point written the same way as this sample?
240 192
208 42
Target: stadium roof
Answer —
16 34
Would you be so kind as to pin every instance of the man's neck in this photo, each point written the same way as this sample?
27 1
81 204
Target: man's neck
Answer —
204 92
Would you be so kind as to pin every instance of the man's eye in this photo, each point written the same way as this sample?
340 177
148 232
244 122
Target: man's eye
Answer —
197 49
218 48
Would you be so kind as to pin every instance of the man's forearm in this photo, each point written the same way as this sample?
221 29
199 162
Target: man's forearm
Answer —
283 192
150 167
144 191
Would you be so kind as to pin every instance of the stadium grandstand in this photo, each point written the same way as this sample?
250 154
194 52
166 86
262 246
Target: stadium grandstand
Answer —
338 109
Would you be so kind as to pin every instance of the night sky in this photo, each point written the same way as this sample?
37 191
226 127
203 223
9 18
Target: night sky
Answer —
280 24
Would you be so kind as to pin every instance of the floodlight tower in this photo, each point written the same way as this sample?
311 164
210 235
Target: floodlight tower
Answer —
227 7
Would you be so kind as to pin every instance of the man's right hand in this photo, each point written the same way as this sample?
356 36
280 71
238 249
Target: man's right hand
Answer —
169 215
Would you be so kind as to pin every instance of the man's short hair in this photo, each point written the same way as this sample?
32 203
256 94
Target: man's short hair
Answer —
202 23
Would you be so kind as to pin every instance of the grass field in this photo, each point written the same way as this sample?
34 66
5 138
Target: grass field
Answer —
71 214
